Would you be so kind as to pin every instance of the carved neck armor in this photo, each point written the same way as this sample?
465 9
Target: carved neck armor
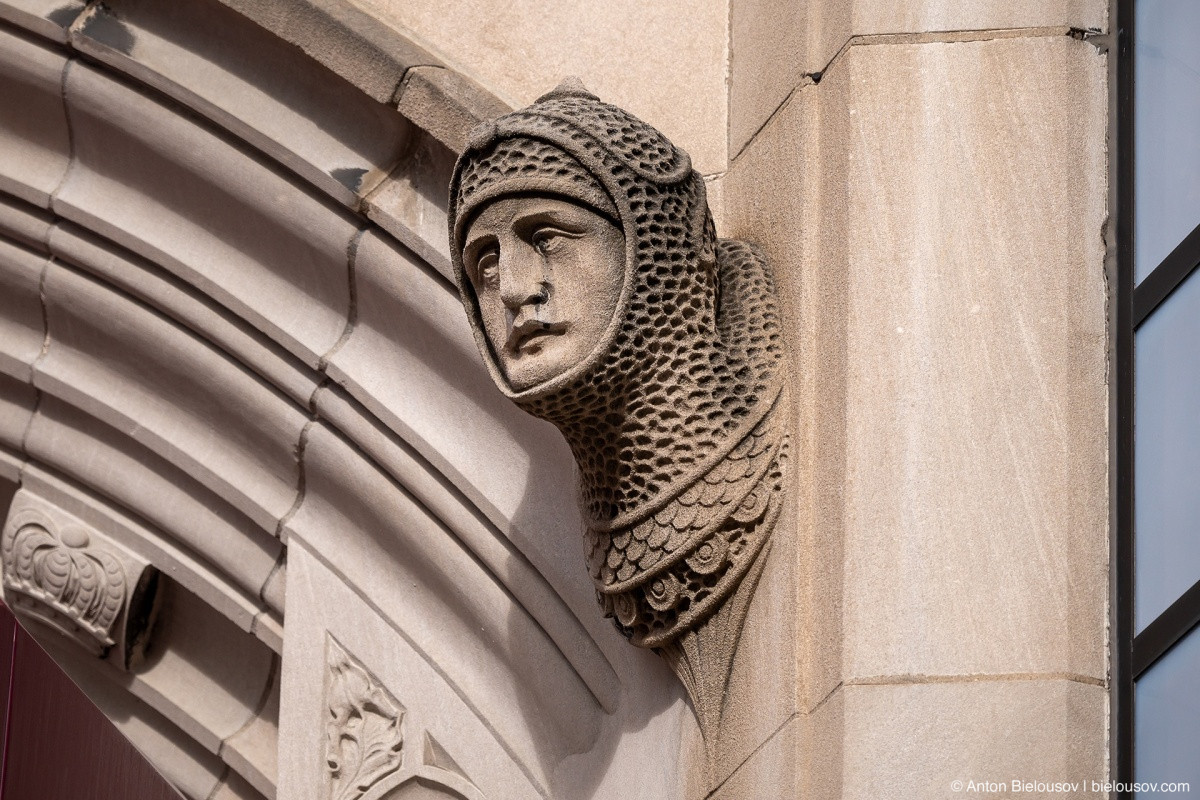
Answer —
670 418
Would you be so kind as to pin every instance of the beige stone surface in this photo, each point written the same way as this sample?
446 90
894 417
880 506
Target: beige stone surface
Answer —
191 570
410 203
49 18
430 591
323 606
100 457
664 61
536 579
774 198
801 758
231 225
188 307
24 224
201 672
777 44
906 741
33 123
22 330
342 37
957 227
17 401
173 392
444 601
446 104
243 77
875 17
765 676
977 384
253 751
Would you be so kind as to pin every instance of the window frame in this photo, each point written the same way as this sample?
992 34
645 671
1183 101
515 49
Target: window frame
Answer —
1135 653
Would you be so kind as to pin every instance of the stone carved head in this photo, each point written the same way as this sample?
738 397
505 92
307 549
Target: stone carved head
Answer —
602 301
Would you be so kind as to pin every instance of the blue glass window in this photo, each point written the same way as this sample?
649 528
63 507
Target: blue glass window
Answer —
1168 718
1167 453
1167 123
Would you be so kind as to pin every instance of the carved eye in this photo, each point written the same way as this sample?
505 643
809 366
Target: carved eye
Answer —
548 240
487 269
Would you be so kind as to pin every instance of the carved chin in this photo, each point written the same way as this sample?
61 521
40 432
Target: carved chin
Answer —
539 361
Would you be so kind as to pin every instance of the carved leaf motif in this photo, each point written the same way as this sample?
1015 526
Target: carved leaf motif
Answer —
63 581
364 738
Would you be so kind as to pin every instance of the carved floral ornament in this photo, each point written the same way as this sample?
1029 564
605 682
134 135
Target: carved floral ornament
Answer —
363 734
602 301
65 575
366 757
61 581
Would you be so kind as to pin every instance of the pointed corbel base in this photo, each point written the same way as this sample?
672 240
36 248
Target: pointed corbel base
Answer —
702 659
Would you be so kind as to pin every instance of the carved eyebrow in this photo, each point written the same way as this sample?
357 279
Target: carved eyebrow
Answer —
551 216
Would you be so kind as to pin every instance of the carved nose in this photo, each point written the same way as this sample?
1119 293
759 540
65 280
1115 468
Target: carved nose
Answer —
521 281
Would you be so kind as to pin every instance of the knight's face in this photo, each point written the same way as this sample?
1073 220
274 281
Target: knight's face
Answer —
547 274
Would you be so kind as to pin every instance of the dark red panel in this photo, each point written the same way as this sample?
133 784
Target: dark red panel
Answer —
8 632
60 747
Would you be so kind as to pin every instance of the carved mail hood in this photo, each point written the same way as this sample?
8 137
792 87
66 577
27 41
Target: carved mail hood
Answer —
667 381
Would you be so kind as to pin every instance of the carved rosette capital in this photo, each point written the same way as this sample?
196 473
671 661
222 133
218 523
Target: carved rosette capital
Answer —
61 573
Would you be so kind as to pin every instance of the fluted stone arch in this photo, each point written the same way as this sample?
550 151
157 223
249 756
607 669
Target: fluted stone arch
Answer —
230 350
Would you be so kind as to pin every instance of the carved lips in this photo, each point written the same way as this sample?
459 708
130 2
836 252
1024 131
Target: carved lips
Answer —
529 336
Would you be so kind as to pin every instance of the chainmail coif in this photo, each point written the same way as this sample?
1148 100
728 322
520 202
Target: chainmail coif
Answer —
672 417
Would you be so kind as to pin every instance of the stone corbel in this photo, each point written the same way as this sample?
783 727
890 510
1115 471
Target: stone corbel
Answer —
603 302
63 575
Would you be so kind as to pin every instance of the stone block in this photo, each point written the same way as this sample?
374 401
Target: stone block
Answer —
774 199
22 330
778 44
664 62
243 78
977 453
875 17
99 457
916 740
169 390
940 223
261 244
33 121
185 305
410 203
446 104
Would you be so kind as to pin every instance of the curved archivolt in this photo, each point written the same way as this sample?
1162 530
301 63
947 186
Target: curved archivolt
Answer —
229 351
